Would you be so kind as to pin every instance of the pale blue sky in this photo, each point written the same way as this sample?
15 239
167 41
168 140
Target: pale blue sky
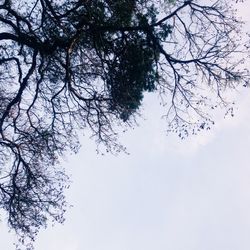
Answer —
167 194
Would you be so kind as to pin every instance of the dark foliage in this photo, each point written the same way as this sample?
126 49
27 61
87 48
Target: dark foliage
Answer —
85 64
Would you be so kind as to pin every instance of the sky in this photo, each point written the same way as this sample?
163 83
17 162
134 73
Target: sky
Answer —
167 194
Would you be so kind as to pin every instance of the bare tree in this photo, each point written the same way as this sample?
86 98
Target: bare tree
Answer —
85 64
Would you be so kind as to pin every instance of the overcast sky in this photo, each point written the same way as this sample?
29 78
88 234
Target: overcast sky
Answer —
167 194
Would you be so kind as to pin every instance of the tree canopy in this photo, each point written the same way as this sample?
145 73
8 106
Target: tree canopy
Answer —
71 65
